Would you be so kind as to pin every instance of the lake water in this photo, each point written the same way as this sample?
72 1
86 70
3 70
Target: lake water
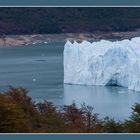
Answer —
39 68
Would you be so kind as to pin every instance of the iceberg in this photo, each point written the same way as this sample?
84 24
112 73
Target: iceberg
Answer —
106 63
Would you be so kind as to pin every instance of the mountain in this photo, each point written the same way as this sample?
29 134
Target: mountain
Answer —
32 20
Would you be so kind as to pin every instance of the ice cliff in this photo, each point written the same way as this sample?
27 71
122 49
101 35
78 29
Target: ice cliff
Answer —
103 63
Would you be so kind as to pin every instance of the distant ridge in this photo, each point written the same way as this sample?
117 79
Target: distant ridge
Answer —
67 20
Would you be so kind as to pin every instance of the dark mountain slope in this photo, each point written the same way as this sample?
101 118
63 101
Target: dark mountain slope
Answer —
62 20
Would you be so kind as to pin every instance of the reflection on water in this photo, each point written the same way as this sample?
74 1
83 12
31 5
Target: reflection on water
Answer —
115 102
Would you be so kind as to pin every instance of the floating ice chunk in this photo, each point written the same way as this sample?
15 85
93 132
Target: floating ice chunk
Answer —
45 42
34 80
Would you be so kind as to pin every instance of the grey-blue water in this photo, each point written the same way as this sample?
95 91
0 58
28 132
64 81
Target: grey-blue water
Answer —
39 68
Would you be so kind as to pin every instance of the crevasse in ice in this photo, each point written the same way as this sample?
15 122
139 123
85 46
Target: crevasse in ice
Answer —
103 63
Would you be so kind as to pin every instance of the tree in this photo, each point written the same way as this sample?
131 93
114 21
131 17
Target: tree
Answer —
73 117
133 124
91 119
52 119
24 102
12 117
111 126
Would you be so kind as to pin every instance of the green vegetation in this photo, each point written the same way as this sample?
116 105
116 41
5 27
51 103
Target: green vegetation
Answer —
19 114
14 20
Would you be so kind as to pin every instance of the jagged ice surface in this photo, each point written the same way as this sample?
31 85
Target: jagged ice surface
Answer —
103 63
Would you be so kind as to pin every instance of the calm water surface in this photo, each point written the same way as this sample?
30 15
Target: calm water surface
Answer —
39 68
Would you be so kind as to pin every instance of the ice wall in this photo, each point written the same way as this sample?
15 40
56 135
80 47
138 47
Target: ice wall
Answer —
103 63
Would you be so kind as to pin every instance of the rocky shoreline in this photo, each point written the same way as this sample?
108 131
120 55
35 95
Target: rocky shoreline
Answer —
20 40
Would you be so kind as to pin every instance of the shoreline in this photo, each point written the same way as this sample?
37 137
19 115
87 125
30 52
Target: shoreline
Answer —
20 40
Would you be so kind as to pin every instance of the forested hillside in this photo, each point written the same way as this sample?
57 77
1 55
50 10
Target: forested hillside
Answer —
64 20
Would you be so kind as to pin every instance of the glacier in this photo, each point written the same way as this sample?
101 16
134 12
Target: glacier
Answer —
106 63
